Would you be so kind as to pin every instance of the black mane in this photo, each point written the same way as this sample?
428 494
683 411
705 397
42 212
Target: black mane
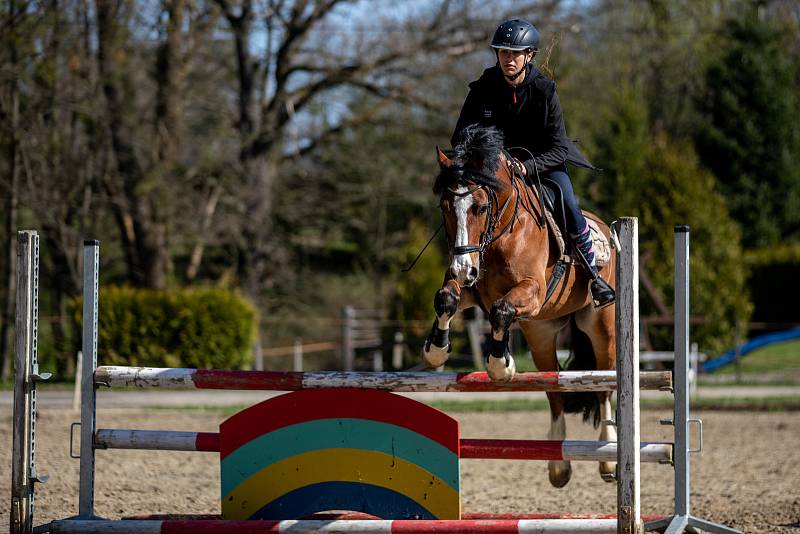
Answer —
476 148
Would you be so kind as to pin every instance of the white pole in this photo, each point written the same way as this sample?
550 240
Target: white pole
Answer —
627 318
397 351
694 357
474 331
76 395
258 355
297 356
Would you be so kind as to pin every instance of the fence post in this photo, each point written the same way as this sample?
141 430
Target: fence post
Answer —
397 351
348 355
377 361
738 351
297 355
258 355
627 319
474 332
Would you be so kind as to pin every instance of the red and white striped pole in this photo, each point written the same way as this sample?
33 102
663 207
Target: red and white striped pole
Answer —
500 449
177 378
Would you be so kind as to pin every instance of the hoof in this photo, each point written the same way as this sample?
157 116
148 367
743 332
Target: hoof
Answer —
560 473
501 369
435 356
608 471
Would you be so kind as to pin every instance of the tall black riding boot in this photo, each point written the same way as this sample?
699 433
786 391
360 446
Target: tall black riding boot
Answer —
602 293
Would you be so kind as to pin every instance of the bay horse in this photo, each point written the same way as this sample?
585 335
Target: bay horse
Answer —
501 257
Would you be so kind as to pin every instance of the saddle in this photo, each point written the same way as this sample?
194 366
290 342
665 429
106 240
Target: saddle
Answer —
555 217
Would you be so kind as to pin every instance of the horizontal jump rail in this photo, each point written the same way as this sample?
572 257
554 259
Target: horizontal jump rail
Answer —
177 378
500 449
480 526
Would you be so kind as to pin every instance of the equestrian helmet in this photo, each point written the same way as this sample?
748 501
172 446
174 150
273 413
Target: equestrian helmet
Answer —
516 34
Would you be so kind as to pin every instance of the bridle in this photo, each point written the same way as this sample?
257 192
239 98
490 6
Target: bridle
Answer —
494 214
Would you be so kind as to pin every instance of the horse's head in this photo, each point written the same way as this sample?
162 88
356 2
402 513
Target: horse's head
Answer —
468 186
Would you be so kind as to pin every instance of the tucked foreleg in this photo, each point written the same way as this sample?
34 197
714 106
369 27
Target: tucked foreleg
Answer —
500 363
522 301
437 347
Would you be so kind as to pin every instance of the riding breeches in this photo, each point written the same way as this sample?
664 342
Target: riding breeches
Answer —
576 222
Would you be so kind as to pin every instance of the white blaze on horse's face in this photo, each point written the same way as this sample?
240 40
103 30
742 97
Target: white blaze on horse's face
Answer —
464 268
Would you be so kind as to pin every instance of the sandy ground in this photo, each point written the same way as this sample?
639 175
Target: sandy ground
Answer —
748 475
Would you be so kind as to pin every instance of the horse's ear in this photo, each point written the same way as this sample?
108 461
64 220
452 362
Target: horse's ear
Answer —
444 161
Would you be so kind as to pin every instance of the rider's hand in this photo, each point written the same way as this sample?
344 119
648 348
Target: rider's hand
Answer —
520 167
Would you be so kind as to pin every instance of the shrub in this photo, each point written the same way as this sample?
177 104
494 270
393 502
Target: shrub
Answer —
202 328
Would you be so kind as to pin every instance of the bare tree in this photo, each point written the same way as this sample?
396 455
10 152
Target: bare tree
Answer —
307 55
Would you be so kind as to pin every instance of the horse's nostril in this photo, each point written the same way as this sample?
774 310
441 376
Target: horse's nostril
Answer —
473 272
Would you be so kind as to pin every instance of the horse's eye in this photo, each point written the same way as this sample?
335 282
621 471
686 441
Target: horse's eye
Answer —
482 208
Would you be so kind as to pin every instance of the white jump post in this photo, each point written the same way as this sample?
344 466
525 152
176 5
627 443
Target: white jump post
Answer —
627 318
26 375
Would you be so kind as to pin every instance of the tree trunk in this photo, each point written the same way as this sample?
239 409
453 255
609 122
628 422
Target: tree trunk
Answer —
140 216
11 206
257 243
10 223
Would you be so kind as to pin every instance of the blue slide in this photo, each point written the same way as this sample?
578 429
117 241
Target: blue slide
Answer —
749 346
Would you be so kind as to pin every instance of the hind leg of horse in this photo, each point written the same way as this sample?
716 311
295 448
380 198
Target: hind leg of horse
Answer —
448 300
541 337
608 432
600 326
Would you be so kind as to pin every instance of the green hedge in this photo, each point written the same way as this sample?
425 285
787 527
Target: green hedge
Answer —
202 328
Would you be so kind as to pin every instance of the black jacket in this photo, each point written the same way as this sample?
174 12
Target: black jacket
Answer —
529 115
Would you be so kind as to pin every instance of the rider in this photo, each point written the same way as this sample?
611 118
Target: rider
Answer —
515 97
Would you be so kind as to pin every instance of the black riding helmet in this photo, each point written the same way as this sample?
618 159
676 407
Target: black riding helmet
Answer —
516 34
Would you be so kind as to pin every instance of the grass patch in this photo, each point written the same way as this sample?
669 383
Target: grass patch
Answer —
781 358
749 379
765 404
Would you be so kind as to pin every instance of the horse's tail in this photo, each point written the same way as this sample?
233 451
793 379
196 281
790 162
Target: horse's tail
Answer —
582 359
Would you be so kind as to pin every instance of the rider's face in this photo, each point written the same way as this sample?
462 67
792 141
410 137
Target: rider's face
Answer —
511 61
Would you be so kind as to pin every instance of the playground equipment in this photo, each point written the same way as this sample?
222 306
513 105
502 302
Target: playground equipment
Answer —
325 410
746 348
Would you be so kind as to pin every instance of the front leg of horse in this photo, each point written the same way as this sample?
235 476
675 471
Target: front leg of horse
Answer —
437 347
500 363
523 301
